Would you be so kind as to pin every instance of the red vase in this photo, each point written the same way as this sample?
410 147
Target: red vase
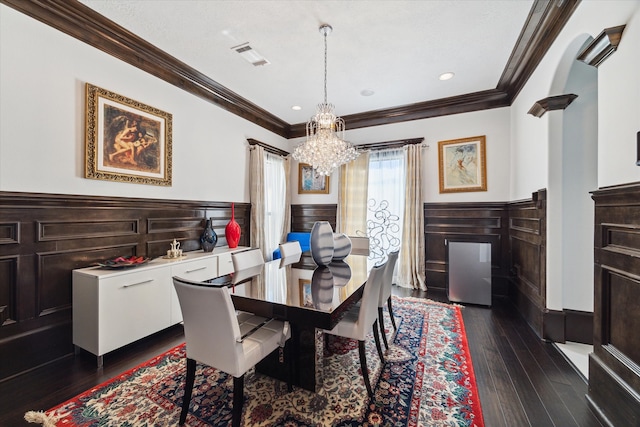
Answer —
232 231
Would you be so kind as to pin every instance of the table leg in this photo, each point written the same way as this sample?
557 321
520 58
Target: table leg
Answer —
306 356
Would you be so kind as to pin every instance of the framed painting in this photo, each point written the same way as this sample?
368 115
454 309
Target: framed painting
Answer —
462 165
311 182
126 140
306 298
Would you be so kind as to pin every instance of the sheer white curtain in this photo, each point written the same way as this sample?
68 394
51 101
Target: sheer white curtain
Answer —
386 194
270 200
275 190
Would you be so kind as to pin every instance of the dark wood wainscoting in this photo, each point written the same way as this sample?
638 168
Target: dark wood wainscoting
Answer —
614 366
304 216
527 241
43 237
472 222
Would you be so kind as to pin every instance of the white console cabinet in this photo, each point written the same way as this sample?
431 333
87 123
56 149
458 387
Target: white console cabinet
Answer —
115 307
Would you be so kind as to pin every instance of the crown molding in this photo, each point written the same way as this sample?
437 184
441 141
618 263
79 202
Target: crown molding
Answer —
602 46
550 103
83 23
545 21
477 101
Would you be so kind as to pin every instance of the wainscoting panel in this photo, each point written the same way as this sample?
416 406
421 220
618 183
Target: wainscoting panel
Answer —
528 263
472 222
614 366
304 216
43 237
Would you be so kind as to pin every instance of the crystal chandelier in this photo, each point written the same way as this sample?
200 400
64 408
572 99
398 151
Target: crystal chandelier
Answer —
325 148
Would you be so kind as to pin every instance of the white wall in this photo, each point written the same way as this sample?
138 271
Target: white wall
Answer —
492 123
619 101
43 74
535 140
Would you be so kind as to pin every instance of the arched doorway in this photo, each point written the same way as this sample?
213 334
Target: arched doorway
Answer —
573 168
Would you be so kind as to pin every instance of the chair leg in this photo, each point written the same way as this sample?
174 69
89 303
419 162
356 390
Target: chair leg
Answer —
377 338
363 366
381 324
238 399
188 388
393 320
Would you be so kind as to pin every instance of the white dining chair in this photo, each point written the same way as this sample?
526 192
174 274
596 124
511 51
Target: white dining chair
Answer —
290 249
385 294
215 337
247 259
358 321
359 245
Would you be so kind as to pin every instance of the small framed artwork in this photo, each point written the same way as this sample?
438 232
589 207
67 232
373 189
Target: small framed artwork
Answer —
306 299
462 165
126 140
311 182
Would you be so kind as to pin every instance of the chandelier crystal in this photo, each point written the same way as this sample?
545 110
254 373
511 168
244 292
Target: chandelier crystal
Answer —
325 148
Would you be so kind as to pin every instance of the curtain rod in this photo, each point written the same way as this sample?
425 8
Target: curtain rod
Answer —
398 143
269 148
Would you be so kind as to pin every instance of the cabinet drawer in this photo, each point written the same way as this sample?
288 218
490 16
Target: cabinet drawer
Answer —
200 269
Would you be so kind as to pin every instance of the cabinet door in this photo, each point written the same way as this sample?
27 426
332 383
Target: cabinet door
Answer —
133 306
225 264
197 270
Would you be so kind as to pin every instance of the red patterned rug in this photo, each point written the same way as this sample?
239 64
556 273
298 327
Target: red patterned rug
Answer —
427 380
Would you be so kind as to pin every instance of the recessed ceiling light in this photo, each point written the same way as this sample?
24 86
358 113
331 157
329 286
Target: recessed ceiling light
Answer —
296 108
446 76
367 92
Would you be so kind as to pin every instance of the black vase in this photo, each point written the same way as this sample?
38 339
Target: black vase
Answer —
209 238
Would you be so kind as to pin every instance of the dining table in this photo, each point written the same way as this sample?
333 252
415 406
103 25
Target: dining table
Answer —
309 299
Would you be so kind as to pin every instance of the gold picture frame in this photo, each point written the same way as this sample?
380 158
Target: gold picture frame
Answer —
311 182
306 297
462 165
126 140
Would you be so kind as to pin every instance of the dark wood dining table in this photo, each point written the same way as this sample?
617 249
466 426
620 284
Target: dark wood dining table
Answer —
310 299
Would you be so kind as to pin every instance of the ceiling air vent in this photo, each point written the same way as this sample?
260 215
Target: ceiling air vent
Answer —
250 54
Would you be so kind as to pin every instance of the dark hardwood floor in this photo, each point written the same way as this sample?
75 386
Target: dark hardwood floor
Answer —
522 380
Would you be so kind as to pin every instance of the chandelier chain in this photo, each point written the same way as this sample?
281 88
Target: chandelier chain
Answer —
325 65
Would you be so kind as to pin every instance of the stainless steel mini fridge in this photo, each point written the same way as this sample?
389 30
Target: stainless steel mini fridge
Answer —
469 274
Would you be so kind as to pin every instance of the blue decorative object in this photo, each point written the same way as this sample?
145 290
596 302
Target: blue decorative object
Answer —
321 243
209 238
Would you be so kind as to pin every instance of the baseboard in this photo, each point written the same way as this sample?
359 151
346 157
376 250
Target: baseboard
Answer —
555 325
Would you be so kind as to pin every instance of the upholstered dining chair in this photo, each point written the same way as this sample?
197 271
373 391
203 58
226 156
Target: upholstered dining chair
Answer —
385 294
214 336
290 249
359 245
359 320
247 259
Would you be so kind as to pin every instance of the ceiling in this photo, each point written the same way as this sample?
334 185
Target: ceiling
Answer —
397 49
394 49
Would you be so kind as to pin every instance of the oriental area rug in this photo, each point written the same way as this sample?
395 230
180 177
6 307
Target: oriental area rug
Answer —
427 380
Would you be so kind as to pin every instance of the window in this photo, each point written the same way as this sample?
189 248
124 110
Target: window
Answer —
386 193
275 200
